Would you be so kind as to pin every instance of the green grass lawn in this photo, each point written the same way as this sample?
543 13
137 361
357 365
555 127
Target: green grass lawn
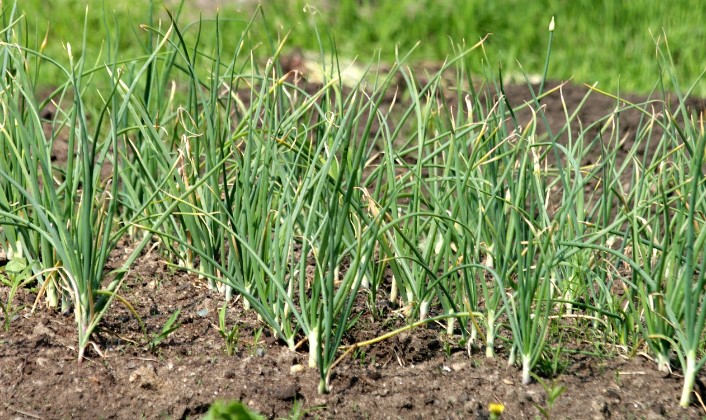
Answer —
612 43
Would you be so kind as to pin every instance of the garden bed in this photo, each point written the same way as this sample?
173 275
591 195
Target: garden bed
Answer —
421 373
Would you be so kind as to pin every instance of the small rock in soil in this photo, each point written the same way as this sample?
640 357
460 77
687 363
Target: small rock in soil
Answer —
296 369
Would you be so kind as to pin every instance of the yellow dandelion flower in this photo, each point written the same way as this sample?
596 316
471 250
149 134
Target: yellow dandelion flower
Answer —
496 410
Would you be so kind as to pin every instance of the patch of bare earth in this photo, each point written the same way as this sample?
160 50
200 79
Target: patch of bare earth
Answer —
413 375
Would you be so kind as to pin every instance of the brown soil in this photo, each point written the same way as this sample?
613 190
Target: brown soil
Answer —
413 375
421 374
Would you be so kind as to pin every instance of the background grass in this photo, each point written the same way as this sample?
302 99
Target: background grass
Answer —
612 43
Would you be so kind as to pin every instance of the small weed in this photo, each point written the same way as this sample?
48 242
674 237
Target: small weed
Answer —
553 392
233 410
256 341
232 335
298 411
17 275
360 355
552 362
447 345
169 327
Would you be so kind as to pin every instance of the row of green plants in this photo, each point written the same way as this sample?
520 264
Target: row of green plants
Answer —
306 201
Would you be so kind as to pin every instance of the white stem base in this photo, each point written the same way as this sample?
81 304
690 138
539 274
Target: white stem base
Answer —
393 290
450 323
323 387
663 363
513 356
474 334
52 294
423 310
689 379
490 335
313 348
526 377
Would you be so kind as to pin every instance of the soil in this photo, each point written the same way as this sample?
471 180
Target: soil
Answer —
419 374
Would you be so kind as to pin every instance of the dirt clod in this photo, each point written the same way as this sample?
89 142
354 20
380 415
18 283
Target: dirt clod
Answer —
286 391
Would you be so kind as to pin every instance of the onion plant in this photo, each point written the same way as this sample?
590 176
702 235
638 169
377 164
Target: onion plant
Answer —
15 237
278 187
684 301
688 295
70 208
529 238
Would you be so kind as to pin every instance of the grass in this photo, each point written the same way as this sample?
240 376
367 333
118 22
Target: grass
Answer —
306 200
605 42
